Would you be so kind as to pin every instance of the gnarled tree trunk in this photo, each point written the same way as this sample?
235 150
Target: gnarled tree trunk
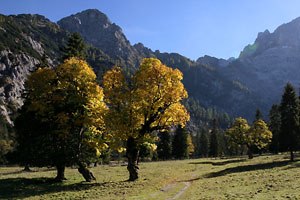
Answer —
60 173
132 155
86 173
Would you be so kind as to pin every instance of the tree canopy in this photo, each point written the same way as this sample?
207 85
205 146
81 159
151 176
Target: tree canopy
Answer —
140 104
242 134
70 102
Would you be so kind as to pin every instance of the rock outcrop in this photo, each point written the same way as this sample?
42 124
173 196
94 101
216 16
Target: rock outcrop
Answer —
14 69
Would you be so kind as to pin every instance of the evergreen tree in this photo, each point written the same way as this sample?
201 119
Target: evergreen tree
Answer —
164 145
289 110
204 144
214 140
258 114
274 126
74 48
180 143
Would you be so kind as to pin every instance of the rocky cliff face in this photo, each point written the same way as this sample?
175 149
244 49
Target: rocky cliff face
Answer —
23 41
14 69
269 63
96 29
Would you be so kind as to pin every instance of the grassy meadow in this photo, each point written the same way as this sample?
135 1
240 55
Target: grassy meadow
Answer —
264 177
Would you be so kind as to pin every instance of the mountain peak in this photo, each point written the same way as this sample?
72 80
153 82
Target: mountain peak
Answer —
86 17
96 29
93 14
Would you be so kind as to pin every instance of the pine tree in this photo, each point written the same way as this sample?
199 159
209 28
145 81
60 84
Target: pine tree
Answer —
180 143
204 144
274 126
214 140
74 48
289 110
164 145
258 114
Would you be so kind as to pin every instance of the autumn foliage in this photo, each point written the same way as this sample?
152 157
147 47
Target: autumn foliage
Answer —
145 102
70 102
257 136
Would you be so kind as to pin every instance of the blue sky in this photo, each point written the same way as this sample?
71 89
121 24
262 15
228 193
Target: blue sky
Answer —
193 28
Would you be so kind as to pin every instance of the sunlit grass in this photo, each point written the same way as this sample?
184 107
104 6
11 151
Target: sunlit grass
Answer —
265 177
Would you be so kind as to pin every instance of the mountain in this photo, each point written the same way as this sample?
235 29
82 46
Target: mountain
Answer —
217 88
236 86
265 66
26 38
202 81
96 29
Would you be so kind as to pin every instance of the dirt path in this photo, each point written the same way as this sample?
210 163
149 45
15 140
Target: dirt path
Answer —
168 188
181 191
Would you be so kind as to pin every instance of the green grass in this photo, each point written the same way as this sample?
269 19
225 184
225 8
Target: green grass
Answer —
264 177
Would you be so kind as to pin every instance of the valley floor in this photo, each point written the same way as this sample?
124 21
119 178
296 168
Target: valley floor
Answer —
264 177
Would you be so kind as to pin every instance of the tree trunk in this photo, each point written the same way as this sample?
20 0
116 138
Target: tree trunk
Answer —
132 155
60 173
26 168
292 156
86 173
250 153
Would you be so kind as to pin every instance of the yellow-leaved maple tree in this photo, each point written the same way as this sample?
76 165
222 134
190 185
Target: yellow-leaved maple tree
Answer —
140 104
69 100
241 133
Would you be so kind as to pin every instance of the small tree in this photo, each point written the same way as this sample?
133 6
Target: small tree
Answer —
289 129
74 48
191 147
204 144
180 145
274 124
259 135
143 103
258 115
214 147
164 145
256 136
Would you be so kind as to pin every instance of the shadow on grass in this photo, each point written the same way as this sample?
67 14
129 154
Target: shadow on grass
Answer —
15 172
17 188
23 171
239 169
217 163
246 168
